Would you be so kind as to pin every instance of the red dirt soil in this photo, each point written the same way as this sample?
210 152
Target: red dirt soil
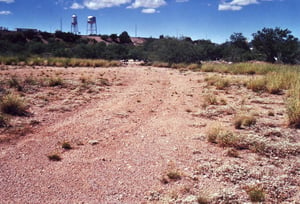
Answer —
145 125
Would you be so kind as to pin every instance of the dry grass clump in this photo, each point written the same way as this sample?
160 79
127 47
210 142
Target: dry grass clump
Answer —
293 112
86 80
274 82
160 64
194 67
255 193
255 143
54 157
3 121
243 120
232 152
203 199
66 145
213 133
222 137
13 105
59 62
257 84
15 82
242 68
174 175
227 139
264 146
104 82
55 81
293 106
219 82
209 99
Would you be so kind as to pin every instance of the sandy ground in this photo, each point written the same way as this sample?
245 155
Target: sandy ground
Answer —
127 137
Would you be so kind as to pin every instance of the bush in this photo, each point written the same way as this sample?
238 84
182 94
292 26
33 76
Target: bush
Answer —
13 105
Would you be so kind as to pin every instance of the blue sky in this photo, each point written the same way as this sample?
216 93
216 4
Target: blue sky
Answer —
200 19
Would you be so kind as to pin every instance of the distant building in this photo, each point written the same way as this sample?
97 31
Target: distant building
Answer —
26 29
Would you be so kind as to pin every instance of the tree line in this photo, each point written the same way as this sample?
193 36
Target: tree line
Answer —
269 44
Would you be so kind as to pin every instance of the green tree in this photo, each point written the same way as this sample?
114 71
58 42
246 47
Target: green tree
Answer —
237 49
276 45
239 41
125 38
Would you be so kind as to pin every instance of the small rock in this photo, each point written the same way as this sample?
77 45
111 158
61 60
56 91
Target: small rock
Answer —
93 142
190 199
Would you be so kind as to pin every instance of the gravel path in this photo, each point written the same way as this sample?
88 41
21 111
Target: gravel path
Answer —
123 145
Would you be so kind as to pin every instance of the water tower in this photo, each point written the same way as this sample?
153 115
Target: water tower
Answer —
74 25
91 26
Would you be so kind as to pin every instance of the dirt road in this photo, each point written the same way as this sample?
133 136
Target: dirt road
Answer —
124 145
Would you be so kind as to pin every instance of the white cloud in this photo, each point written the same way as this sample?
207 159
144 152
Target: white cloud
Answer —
181 1
5 13
76 6
148 4
7 1
235 5
226 7
243 2
149 10
98 4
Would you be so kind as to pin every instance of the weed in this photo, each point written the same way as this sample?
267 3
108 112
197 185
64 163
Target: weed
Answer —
86 80
222 84
14 82
231 152
244 121
256 194
66 146
194 67
227 138
224 138
3 121
30 80
164 180
54 157
257 84
223 101
104 82
188 110
212 134
293 106
209 99
203 199
174 175
56 81
13 105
